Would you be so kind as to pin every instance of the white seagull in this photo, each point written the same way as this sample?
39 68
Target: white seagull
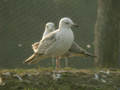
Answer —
55 43
49 27
75 49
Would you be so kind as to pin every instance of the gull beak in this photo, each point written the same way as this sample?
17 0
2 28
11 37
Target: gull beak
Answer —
75 25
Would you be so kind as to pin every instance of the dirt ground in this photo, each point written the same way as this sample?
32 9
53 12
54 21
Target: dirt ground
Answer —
47 79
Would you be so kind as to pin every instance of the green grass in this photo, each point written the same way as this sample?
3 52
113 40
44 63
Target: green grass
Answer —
71 79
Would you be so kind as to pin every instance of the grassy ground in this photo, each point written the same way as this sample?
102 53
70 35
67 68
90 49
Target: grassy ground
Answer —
63 79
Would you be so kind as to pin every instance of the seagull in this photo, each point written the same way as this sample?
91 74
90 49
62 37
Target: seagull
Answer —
55 43
75 49
49 27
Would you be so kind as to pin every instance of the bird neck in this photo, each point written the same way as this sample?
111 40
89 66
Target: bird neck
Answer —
46 32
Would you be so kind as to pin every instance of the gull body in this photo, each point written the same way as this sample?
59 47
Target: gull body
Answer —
64 40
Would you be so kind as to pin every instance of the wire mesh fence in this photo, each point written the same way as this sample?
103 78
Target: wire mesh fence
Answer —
22 23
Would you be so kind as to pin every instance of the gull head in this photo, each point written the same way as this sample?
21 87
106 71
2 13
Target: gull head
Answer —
66 23
50 26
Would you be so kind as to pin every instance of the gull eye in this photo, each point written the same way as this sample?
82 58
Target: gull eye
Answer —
66 22
47 26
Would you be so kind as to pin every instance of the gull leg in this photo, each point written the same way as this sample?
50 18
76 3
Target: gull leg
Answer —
57 62
53 62
66 62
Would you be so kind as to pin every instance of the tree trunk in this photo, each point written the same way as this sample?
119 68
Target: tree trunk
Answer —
107 33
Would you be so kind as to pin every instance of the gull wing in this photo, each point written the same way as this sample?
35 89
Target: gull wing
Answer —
46 43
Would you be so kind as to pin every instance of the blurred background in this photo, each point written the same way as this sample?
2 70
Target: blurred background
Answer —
22 23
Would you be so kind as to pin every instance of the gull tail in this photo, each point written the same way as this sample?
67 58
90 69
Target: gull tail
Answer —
87 54
31 58
82 54
34 58
35 46
76 50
